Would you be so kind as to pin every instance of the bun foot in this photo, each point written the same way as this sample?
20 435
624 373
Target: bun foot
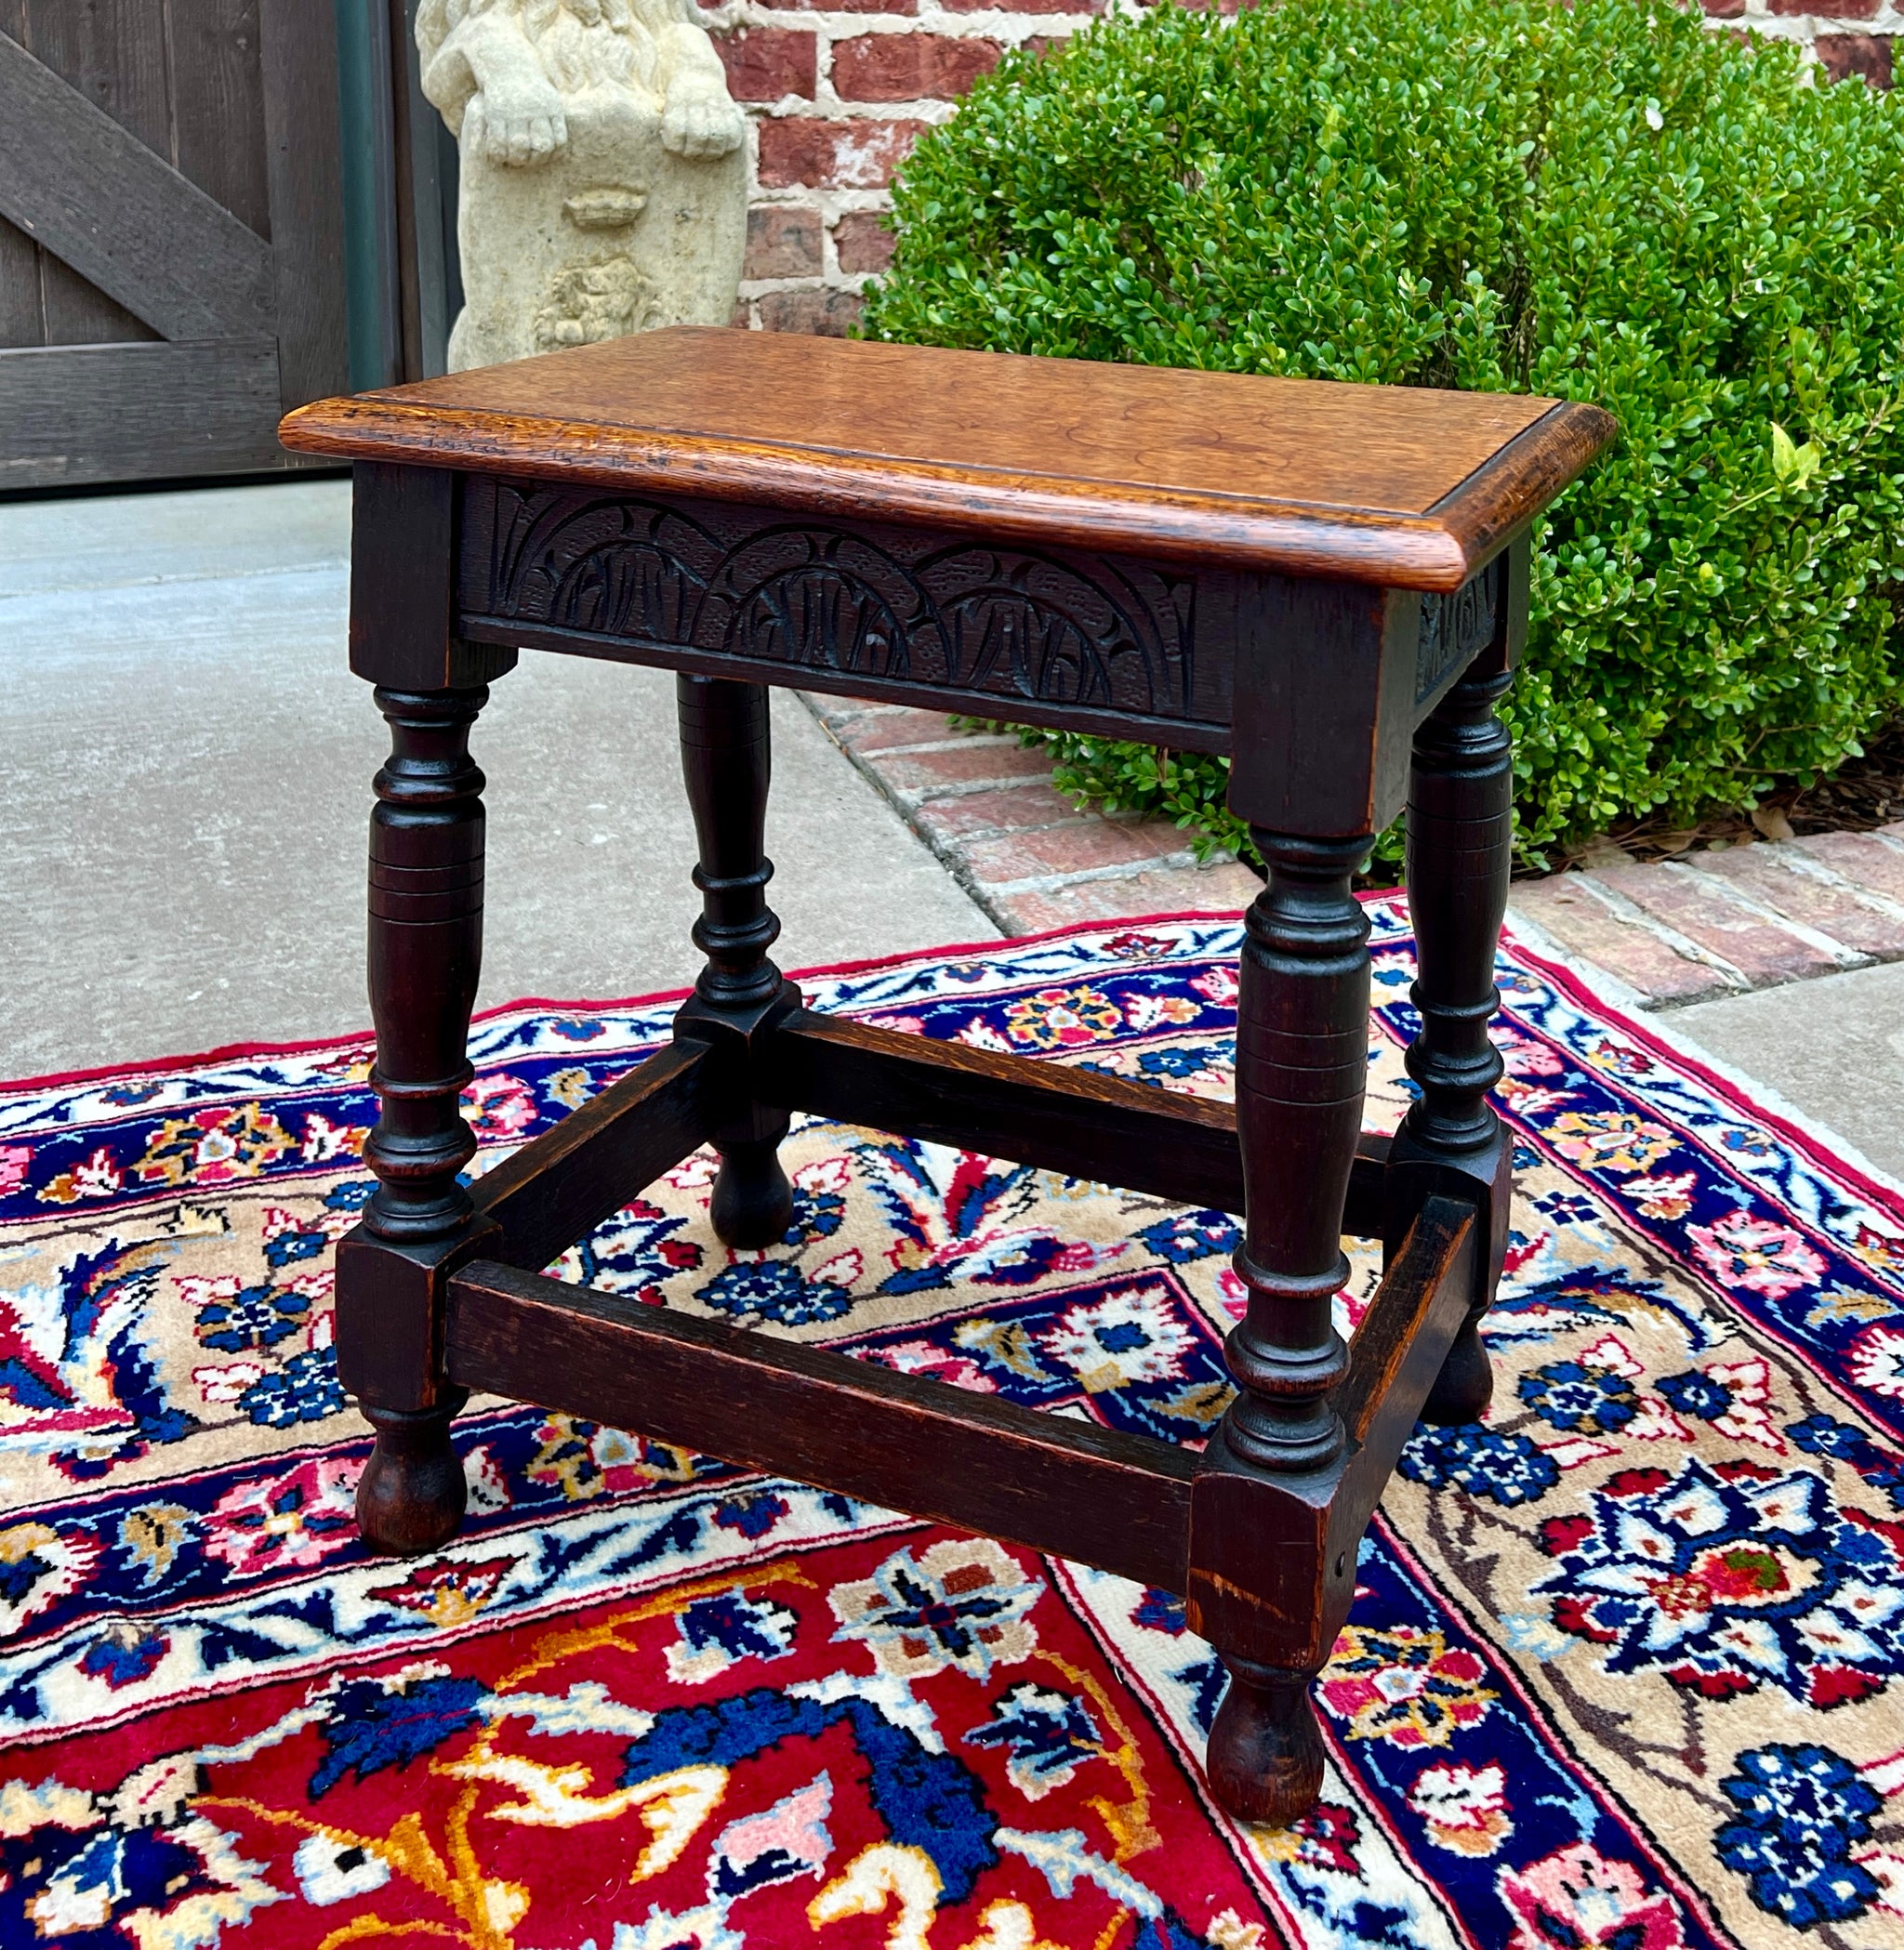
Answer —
412 1494
1266 1749
752 1205
1465 1383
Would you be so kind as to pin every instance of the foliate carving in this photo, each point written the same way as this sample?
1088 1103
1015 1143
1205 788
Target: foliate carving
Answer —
986 619
1455 628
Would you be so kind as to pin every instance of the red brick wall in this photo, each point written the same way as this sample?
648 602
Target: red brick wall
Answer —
838 91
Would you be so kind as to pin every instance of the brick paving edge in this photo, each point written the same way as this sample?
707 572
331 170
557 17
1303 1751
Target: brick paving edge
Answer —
1030 859
1733 921
1723 922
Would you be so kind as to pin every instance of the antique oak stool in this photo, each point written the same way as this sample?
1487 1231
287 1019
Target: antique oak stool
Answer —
1327 582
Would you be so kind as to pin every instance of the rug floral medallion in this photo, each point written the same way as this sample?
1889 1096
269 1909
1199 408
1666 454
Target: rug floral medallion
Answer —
1623 1671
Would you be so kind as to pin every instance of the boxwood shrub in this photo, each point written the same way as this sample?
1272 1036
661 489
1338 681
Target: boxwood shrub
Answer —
1603 201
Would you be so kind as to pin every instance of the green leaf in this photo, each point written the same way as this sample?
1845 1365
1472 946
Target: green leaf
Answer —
1784 454
1595 199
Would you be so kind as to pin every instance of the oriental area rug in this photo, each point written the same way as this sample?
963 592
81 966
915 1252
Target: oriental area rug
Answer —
1625 1669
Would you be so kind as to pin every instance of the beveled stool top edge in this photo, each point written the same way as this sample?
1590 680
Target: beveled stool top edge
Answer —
1397 486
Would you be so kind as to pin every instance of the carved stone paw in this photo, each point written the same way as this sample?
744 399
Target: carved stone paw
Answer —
702 123
517 119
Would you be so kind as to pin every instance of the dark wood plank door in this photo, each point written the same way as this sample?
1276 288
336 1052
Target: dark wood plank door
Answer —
171 247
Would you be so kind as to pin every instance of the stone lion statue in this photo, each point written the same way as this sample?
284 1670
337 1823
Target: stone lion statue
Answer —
603 185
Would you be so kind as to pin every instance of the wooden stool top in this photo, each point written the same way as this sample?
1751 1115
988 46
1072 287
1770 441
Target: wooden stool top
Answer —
1400 486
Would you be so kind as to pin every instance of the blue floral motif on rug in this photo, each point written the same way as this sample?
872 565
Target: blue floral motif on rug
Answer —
1623 1669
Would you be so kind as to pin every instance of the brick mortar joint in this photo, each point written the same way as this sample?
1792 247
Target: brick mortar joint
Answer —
1807 867
835 200
827 107
942 23
917 799
947 855
1181 860
955 743
835 280
983 835
1629 912
1723 893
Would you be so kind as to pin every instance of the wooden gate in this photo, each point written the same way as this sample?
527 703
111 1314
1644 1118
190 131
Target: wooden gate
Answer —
171 251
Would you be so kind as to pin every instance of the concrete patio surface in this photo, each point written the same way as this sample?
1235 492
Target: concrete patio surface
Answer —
1833 1048
185 767
1784 960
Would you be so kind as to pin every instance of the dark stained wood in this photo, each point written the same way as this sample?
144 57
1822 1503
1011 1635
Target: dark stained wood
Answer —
1080 1121
426 955
1117 1501
426 951
402 610
1265 1760
72 414
1260 1581
726 758
1344 653
558 1190
1302 1073
297 66
134 140
862 608
1302 477
739 995
1272 1557
1324 701
1273 1553
1171 653
426 844
1400 1344
1001 700
122 216
413 1493
390 1299
1460 834
1461 845
217 104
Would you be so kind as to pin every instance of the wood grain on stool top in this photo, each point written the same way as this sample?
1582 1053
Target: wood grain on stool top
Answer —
1396 485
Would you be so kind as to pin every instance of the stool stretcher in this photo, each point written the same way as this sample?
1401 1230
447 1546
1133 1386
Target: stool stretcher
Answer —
1108 1130
1123 1503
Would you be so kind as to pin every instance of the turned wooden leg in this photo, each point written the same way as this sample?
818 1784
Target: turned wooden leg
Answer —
1302 1072
726 759
426 940
1266 1749
1266 1601
412 1494
1461 835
